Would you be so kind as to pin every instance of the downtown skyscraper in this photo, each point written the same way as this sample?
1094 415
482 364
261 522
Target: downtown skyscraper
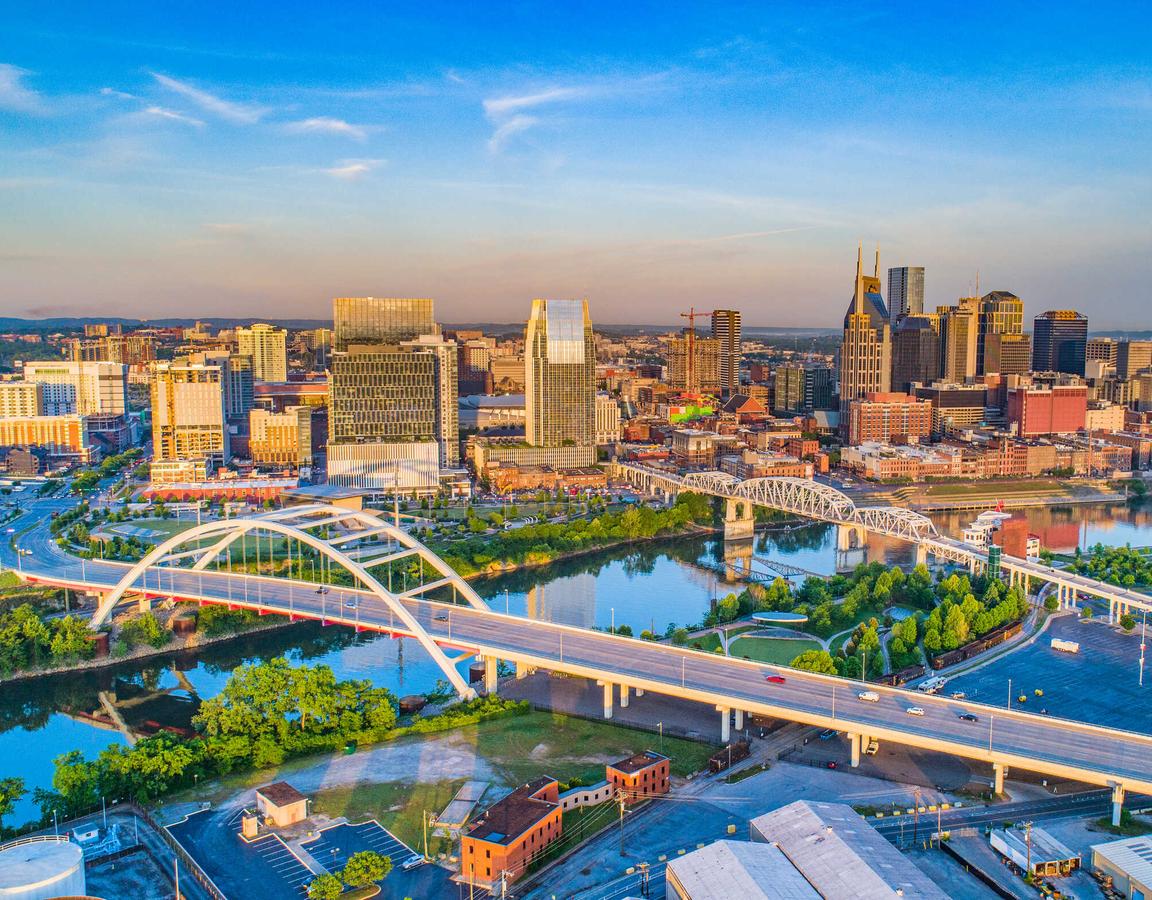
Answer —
726 331
1059 342
560 381
906 291
393 416
866 349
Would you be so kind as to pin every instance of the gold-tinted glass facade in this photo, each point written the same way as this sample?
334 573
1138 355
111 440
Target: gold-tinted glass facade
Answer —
560 375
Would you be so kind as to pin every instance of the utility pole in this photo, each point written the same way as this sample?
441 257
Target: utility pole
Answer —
643 879
1028 845
1143 644
915 815
620 799
424 823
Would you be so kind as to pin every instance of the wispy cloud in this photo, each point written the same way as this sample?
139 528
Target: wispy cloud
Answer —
14 96
240 113
160 112
119 95
353 169
501 106
506 130
328 125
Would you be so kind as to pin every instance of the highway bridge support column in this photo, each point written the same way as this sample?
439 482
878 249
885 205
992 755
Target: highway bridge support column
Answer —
607 699
739 720
522 670
725 724
623 696
1117 804
921 555
491 675
854 740
999 770
739 520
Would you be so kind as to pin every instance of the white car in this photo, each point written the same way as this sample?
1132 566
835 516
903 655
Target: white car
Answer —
868 696
915 710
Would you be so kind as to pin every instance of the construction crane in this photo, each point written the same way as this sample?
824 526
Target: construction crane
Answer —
690 385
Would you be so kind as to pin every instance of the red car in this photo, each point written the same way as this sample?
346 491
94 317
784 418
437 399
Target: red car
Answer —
774 679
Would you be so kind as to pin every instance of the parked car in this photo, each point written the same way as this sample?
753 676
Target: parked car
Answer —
828 733
915 710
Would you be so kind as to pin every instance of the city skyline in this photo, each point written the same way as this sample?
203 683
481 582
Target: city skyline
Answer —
727 159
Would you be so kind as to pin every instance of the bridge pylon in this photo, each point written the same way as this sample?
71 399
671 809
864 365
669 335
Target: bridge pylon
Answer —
739 519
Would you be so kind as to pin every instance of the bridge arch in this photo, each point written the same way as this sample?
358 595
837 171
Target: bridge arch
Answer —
293 523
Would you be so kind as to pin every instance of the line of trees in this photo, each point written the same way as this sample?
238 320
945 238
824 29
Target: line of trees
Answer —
29 642
1121 566
266 713
539 544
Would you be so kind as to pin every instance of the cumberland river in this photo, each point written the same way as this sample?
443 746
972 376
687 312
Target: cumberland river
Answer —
649 586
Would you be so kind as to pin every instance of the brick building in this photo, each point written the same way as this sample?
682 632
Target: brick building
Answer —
1057 409
507 836
890 418
640 776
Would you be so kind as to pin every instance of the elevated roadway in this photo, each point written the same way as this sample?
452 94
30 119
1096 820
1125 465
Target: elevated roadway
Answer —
625 667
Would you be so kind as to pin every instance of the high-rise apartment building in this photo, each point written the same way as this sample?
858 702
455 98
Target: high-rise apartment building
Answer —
283 438
236 374
188 421
866 350
393 412
21 398
915 351
1007 354
129 349
1001 312
560 377
702 376
726 330
800 390
267 346
906 291
1132 358
81 388
474 365
959 339
1060 342
381 320
1102 349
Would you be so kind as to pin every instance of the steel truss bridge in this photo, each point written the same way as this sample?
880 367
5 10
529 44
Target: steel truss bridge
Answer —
800 496
369 574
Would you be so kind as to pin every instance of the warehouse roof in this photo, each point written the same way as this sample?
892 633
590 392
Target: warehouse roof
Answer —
729 869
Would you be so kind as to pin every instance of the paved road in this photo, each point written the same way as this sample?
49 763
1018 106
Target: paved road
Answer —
1039 743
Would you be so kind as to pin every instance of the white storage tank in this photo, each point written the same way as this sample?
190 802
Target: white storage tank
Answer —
40 868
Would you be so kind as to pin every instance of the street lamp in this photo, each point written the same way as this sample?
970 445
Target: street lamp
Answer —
1143 644
613 619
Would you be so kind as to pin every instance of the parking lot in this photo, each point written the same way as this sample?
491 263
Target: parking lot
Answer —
1072 682
259 870
334 845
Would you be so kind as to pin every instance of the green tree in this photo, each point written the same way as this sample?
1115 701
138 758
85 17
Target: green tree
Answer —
1127 621
11 792
366 867
1051 603
819 661
325 887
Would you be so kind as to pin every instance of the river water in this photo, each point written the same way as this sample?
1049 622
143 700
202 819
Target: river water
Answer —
650 585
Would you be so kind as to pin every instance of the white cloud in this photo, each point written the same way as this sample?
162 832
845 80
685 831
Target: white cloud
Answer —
119 95
162 113
14 96
240 113
328 125
506 130
501 106
353 169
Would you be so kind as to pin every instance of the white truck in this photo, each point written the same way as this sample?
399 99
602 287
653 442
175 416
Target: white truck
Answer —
932 685
868 696
1065 646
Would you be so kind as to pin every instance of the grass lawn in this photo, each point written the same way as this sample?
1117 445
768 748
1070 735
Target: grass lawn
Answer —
708 642
778 651
165 527
998 489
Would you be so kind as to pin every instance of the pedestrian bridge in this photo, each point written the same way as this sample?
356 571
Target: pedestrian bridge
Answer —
801 496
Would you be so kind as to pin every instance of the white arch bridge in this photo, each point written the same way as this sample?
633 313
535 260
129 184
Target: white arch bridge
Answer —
355 559
801 496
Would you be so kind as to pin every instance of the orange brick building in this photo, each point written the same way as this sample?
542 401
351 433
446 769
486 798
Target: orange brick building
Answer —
888 418
640 776
510 834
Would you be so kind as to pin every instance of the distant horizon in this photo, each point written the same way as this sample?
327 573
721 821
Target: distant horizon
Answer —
161 160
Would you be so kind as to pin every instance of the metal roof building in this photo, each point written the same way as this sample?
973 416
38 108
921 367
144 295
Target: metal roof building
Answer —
840 854
728 869
1129 862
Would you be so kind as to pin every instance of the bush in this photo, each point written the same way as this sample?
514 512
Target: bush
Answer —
145 629
1127 621
1051 603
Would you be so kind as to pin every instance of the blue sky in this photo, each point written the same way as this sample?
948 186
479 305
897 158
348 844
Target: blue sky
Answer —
260 158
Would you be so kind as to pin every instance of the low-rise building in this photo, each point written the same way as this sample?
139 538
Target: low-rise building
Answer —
725 870
1128 863
281 804
640 776
693 448
755 464
502 842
